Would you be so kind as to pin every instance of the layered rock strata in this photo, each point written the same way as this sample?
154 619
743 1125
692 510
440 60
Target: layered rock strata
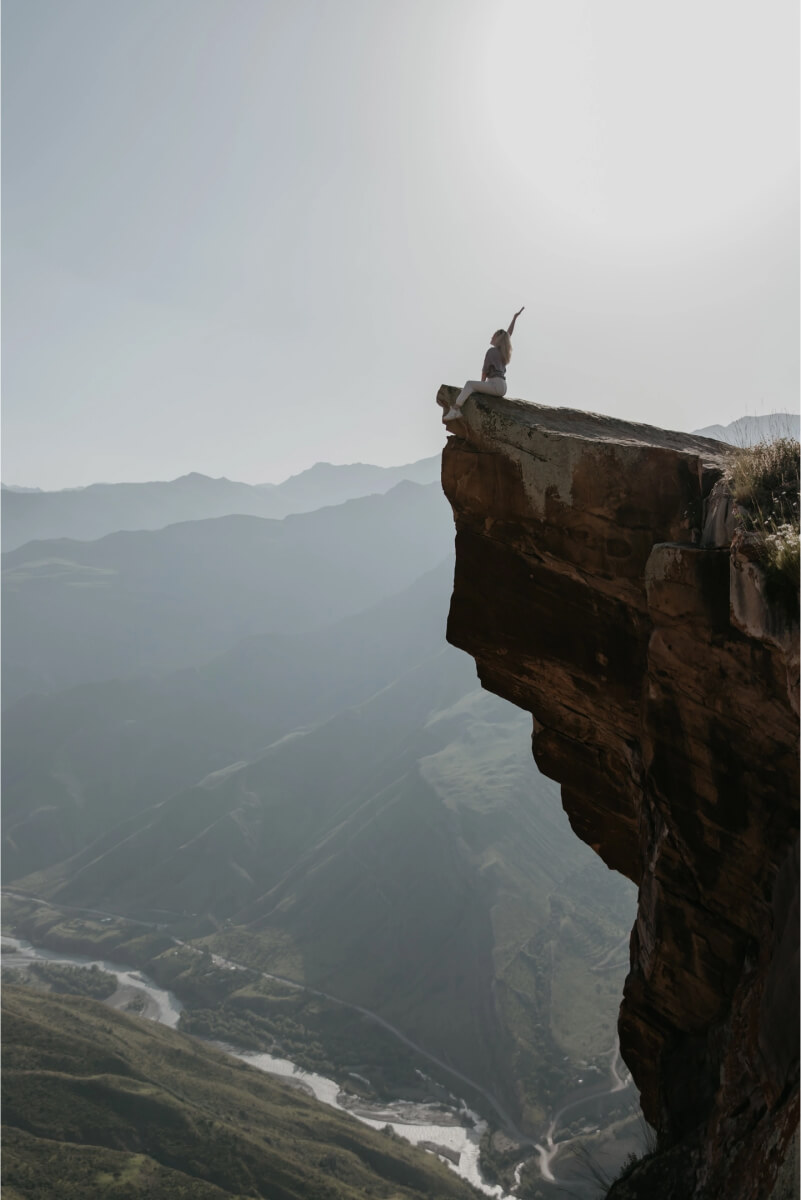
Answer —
596 586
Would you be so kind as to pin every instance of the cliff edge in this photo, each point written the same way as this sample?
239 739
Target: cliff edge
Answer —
597 587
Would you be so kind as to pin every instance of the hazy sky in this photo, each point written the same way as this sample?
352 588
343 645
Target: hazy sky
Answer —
241 236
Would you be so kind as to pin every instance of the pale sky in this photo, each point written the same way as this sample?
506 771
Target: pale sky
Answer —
242 236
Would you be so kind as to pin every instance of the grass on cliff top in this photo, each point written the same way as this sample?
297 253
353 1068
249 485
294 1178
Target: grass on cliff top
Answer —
764 481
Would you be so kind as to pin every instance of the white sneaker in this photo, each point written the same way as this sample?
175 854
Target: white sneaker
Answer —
452 414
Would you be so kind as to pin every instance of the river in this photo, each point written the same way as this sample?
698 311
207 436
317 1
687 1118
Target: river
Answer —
456 1133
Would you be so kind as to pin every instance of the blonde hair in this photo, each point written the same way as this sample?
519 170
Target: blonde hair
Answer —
504 344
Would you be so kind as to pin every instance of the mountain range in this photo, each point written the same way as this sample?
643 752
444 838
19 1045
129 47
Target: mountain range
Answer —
80 760
92 512
87 513
147 602
252 729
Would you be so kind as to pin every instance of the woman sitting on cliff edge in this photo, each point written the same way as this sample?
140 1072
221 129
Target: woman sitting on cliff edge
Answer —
493 373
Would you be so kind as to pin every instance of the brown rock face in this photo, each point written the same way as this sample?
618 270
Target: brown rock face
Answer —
596 587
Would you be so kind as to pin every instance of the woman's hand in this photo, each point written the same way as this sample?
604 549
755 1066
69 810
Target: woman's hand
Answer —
510 330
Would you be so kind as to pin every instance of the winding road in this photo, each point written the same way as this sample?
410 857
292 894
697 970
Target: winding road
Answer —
546 1153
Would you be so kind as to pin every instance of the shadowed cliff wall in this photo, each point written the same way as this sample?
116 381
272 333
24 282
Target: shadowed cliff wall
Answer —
596 586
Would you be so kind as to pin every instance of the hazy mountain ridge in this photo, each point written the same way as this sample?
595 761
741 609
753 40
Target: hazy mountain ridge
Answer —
149 602
79 761
89 513
394 845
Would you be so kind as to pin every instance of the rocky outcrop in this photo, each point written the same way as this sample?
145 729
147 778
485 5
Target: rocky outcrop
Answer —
596 586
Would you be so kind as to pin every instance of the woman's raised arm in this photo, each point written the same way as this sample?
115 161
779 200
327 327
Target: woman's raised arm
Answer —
511 328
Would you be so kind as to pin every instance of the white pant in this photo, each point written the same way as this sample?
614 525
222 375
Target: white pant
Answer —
490 387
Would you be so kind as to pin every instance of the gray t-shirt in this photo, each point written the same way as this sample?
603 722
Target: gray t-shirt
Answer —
494 366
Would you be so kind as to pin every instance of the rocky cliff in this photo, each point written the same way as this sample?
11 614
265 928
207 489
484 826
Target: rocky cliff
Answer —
596 586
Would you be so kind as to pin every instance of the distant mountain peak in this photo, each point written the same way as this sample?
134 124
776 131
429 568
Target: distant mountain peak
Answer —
746 431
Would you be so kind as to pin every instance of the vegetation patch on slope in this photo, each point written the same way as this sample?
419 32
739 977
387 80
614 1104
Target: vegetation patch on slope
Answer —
95 1102
67 980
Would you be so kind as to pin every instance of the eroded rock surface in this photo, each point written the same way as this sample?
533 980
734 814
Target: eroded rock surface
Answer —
596 587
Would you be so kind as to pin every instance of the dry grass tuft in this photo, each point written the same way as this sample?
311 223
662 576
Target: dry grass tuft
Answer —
764 481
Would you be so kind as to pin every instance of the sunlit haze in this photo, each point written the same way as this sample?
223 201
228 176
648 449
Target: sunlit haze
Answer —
242 236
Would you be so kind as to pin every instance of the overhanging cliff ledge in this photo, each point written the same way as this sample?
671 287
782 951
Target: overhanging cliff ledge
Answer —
597 587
